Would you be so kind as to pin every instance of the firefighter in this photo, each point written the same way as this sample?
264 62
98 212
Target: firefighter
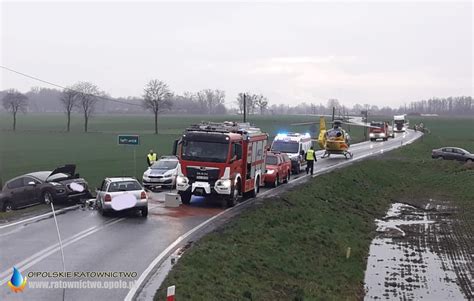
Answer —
310 159
151 158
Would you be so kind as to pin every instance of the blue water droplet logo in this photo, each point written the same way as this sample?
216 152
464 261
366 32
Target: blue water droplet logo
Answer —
17 278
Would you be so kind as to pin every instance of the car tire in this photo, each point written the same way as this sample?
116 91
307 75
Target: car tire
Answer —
288 176
47 197
469 161
297 170
100 209
7 206
144 212
276 182
185 197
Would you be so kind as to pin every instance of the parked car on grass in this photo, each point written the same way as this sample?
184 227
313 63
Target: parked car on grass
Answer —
452 153
61 184
278 168
118 194
162 173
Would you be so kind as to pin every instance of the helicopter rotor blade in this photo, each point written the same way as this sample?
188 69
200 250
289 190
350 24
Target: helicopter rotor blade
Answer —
305 123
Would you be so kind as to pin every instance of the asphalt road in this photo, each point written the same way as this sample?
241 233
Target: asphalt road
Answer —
120 243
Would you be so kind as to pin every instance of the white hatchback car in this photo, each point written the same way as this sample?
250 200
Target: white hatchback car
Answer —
162 173
117 194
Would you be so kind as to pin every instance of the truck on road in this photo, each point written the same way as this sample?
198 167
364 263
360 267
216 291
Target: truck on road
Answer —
400 123
379 130
222 160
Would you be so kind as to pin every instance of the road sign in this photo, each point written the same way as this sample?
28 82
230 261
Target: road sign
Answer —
128 139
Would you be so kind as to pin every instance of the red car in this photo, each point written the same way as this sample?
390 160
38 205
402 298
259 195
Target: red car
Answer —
278 169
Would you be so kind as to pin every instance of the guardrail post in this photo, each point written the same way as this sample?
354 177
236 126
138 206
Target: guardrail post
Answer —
170 293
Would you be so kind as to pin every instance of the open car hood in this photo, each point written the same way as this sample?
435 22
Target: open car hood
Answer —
68 169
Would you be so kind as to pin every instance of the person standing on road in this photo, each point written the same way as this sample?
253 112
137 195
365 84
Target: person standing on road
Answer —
310 159
151 158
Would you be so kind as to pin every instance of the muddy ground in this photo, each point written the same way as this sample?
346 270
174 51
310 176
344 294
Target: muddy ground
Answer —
424 250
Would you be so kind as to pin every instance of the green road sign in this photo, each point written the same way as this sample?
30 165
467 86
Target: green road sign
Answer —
128 139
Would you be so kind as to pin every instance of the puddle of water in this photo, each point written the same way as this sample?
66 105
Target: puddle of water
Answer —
404 264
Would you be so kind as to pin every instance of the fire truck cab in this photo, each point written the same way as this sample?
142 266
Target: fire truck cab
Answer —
224 160
379 130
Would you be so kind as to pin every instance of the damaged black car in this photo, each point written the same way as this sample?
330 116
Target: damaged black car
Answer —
61 184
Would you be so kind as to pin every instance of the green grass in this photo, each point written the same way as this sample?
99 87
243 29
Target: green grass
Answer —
40 142
293 247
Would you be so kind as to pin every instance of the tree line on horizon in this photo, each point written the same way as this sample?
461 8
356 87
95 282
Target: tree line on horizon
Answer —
87 99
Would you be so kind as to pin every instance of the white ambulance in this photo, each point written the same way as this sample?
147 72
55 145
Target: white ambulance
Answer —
295 145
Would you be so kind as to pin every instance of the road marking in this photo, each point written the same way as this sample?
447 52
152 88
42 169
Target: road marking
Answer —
38 216
39 256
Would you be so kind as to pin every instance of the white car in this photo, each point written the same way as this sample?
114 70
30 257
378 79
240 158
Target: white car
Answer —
118 194
162 173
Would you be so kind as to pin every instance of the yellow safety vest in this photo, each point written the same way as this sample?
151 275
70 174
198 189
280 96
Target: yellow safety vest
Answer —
310 155
151 158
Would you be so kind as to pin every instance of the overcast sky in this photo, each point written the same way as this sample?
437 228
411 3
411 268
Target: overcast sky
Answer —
358 52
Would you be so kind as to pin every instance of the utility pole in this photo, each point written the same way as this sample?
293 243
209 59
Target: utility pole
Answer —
245 107
333 112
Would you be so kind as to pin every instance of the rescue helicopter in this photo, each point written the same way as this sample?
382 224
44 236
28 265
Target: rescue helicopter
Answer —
336 140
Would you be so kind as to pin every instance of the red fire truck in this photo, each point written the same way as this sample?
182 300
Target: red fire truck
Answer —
225 159
379 130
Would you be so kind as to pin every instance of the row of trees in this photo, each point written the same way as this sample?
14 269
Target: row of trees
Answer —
83 97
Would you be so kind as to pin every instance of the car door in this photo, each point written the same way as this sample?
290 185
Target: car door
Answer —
31 190
16 193
448 153
458 154
236 158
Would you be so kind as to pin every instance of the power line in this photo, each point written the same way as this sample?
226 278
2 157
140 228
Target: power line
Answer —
65 88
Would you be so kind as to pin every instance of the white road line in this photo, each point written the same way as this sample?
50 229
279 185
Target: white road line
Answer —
38 216
131 294
39 256
54 248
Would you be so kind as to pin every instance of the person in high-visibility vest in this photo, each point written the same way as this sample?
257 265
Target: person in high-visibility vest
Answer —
310 159
151 158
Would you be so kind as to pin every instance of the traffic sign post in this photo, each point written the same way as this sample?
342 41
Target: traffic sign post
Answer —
131 140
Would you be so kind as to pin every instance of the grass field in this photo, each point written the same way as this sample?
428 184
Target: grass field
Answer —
293 247
40 142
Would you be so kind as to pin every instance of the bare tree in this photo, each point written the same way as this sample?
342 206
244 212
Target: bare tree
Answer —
87 94
15 102
261 102
69 101
157 98
212 99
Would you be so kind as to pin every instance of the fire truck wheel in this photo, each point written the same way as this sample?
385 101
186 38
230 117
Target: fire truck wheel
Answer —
232 199
185 197
256 189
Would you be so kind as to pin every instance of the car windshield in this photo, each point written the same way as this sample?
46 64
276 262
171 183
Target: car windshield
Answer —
164 164
399 122
271 160
205 151
124 186
285 146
